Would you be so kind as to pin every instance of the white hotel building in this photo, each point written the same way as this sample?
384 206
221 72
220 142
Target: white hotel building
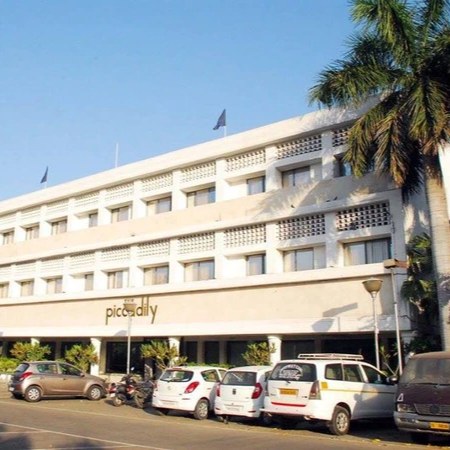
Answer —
258 236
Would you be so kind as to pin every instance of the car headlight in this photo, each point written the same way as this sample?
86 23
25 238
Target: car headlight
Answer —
405 407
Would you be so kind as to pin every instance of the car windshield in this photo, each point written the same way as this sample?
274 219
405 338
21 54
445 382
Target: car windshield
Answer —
177 375
238 378
294 371
426 371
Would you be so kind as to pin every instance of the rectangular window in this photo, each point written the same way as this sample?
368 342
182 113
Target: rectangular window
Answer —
116 279
120 214
256 185
8 237
367 252
156 275
161 205
59 226
199 270
31 232
201 197
4 290
256 264
88 281
296 177
93 219
343 168
26 288
54 285
304 259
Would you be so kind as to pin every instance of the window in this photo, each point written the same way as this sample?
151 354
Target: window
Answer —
296 177
352 373
256 264
161 205
304 259
31 232
367 252
4 290
201 197
88 281
26 288
59 226
256 185
156 275
116 279
54 285
120 214
93 219
8 237
199 270
343 168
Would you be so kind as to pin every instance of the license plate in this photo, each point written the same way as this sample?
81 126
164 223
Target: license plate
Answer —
234 408
439 426
113 394
288 391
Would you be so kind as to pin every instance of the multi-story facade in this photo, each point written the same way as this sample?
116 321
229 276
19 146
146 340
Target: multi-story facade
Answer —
260 236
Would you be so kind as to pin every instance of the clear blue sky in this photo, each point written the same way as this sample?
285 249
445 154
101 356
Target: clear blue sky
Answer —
79 76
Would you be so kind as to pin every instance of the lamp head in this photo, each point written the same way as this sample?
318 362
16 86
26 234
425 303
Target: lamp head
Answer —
129 305
372 285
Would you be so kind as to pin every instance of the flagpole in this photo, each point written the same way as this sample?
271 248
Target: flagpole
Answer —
116 161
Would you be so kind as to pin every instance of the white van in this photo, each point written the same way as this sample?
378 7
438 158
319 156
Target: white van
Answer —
335 388
241 392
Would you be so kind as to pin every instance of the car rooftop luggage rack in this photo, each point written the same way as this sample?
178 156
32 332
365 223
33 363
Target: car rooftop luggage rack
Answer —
343 356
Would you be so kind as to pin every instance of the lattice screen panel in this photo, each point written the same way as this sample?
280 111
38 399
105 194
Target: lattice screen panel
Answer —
155 248
157 182
299 146
300 227
82 260
115 254
375 215
198 172
196 243
340 136
245 160
242 236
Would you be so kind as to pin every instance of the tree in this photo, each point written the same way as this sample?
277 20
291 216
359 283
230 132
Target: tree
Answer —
164 355
81 356
26 351
402 56
258 354
419 288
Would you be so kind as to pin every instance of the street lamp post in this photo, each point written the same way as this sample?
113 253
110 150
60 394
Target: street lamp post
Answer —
392 264
130 308
373 286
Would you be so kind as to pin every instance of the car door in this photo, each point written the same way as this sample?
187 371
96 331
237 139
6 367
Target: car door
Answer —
48 378
72 380
354 389
378 394
211 377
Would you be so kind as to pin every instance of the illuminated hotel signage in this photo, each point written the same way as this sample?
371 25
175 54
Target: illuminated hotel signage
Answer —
144 309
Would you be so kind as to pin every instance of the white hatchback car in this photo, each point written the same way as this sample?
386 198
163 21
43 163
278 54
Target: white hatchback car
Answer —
241 392
190 388
334 388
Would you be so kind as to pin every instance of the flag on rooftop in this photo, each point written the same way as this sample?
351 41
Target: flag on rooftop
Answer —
221 121
44 178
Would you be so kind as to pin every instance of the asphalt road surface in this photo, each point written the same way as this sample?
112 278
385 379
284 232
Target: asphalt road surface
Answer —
75 424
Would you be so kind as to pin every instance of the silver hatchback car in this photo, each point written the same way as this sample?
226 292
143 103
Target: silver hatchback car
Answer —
38 379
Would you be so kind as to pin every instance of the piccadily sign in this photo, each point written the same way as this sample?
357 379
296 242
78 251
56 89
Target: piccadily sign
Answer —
144 309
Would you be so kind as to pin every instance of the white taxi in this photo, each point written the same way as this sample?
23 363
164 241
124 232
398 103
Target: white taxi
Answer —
335 388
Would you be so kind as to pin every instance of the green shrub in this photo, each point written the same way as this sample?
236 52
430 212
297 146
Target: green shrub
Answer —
81 356
7 365
26 351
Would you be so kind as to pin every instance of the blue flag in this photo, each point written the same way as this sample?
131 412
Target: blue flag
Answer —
44 178
221 121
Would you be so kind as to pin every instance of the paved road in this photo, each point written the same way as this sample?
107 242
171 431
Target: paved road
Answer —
83 425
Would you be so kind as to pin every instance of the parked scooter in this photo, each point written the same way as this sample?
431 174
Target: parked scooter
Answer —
123 391
143 393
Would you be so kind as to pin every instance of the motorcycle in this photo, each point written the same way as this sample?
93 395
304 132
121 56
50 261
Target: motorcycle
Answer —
123 391
143 393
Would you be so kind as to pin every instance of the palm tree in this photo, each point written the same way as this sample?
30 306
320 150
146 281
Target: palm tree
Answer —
401 55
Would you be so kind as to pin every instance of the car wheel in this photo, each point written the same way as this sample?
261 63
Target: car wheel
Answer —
18 396
95 393
33 394
265 419
340 422
119 400
201 409
420 438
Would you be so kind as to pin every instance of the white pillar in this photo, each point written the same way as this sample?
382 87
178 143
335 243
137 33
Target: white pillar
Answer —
97 343
174 342
275 342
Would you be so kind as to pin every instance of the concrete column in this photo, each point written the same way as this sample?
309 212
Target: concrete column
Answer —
174 342
223 352
275 341
200 351
97 343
